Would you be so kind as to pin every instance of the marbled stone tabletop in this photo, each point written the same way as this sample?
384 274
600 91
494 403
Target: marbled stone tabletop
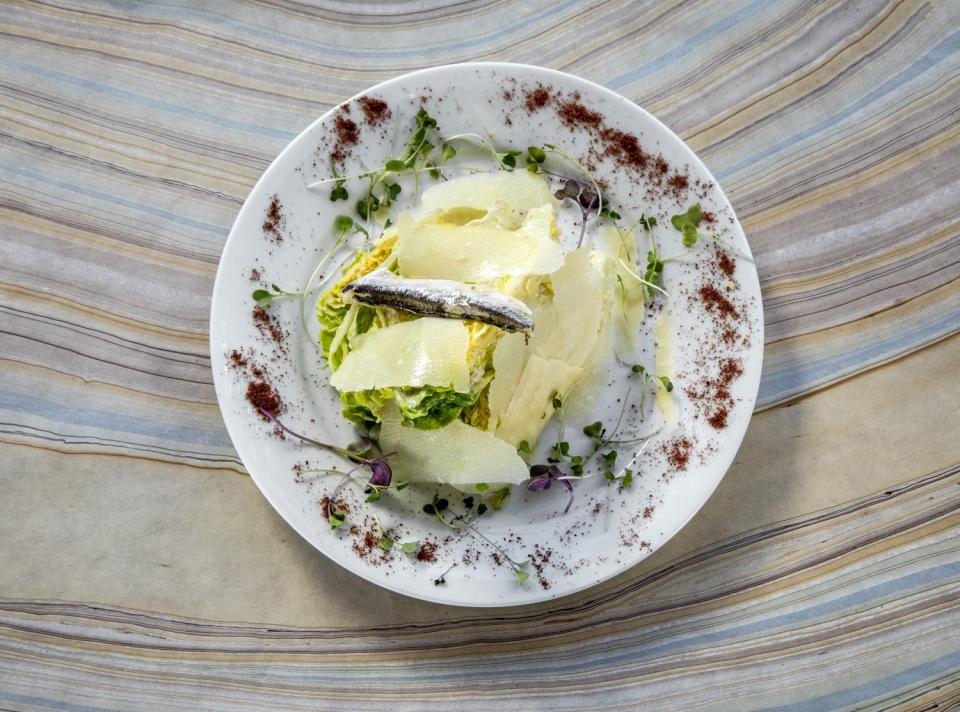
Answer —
141 569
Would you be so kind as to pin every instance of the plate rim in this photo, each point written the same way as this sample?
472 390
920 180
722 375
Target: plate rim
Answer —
278 503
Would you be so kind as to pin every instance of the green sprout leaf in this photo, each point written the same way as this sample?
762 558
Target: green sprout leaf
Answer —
497 499
483 486
667 383
522 575
607 214
263 298
523 447
627 479
342 223
336 519
339 192
385 543
537 154
410 547
594 430
687 224
448 152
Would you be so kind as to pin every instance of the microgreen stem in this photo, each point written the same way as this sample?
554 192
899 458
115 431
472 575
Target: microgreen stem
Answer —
343 452
643 281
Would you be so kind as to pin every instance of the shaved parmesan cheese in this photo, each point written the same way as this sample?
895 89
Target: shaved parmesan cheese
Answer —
421 352
509 195
509 358
567 327
457 453
531 406
479 252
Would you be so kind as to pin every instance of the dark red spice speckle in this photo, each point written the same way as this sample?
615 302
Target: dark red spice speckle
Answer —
574 113
255 275
273 220
374 110
262 397
267 325
718 419
678 453
237 359
625 149
716 302
537 98
346 133
708 217
677 185
347 130
427 552
727 265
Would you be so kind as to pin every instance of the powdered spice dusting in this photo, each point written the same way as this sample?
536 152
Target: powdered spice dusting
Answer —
273 220
537 99
262 397
715 301
678 453
574 113
374 110
427 552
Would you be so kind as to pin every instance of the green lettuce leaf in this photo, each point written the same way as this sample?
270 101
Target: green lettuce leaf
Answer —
424 407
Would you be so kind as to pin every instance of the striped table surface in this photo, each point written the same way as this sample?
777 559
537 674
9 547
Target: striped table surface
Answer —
140 569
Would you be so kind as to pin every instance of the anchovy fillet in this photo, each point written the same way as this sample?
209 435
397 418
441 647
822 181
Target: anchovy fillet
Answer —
440 297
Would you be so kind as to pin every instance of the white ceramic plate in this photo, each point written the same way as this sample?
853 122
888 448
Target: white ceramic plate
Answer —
607 530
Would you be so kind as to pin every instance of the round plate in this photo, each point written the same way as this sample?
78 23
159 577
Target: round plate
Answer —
713 323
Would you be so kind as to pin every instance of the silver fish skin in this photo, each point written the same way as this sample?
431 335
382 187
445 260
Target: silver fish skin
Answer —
440 297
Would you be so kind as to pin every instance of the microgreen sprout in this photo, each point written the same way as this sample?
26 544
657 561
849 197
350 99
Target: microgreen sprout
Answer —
608 214
344 227
647 378
506 159
687 224
265 298
442 578
497 499
339 190
521 572
436 507
524 448
410 547
336 519
647 283
535 157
